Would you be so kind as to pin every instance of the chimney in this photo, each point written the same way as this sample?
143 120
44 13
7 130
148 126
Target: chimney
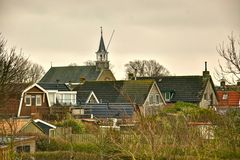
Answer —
222 82
57 80
135 74
82 80
238 82
206 73
70 84
130 76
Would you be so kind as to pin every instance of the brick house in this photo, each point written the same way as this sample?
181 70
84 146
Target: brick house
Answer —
38 99
228 96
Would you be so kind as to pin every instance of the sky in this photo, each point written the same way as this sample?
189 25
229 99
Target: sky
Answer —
179 34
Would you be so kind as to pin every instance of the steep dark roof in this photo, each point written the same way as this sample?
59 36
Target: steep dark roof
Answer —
118 91
184 88
82 96
70 73
44 126
54 86
109 110
101 45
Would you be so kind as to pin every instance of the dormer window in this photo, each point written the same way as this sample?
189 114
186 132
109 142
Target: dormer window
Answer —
167 96
225 96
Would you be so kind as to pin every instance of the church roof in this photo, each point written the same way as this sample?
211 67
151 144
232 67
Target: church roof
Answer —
54 86
70 73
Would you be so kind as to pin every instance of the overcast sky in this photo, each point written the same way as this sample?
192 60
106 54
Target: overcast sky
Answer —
179 34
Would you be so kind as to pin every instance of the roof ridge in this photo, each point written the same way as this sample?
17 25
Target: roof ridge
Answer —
74 66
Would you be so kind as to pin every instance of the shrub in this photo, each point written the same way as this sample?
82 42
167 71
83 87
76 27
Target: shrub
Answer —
63 155
86 148
77 126
52 144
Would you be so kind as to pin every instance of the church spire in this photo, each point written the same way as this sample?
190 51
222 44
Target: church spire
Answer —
101 45
102 55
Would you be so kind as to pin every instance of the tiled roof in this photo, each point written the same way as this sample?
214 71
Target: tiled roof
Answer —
184 88
82 96
228 88
44 125
228 98
118 91
54 86
70 74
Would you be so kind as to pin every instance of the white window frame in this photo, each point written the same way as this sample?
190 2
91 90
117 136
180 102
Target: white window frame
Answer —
30 97
225 96
40 97
165 96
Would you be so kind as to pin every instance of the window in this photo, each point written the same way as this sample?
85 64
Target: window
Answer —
67 98
225 96
51 98
28 100
151 99
38 100
205 96
157 99
167 96
25 148
73 99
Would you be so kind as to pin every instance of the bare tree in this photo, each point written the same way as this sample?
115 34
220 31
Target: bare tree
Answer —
89 63
72 64
149 68
35 73
230 53
15 70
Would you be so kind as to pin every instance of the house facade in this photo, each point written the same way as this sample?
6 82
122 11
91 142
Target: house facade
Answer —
38 99
143 95
199 90
228 96
34 102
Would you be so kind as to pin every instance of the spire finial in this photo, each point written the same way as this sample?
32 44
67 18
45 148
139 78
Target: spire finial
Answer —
101 30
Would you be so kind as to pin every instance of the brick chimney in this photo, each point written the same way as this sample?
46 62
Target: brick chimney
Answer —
82 80
238 82
206 72
222 82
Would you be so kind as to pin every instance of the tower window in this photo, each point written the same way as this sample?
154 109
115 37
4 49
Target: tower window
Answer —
100 57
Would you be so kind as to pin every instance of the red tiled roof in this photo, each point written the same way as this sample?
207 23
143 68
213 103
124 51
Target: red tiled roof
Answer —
231 99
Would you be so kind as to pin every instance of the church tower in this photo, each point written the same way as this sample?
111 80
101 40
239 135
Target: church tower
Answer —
102 62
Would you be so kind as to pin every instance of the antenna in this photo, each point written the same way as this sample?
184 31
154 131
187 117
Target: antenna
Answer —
110 39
